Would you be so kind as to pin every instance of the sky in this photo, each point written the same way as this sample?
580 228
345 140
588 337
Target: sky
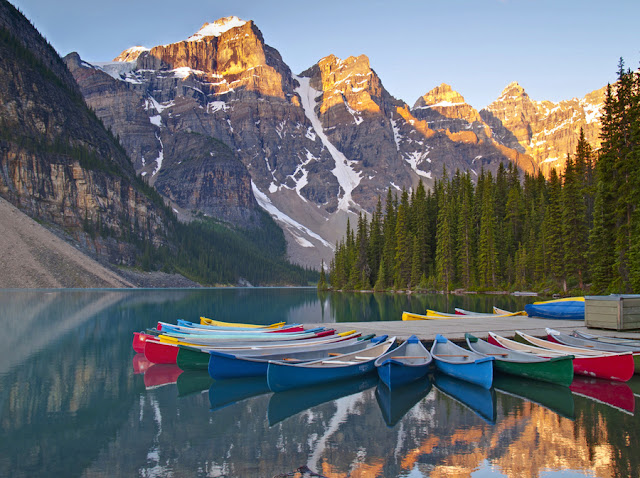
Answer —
555 49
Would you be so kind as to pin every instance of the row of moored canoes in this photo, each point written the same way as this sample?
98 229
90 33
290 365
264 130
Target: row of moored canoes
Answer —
290 356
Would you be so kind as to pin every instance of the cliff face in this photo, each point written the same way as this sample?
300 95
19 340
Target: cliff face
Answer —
545 130
57 162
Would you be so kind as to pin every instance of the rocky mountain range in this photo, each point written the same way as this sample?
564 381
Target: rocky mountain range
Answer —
313 149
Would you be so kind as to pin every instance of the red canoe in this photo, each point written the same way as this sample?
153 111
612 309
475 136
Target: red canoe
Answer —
160 352
139 339
610 366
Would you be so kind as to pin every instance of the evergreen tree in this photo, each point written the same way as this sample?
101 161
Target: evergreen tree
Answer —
403 255
487 245
445 260
322 282
466 246
574 227
554 252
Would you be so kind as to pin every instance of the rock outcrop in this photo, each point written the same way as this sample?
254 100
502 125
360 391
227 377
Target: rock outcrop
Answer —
544 130
57 162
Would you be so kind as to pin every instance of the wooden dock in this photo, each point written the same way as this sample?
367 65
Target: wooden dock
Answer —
454 329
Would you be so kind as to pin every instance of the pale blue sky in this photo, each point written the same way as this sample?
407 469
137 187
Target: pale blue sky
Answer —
556 49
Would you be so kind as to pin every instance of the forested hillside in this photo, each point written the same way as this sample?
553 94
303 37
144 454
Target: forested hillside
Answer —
576 230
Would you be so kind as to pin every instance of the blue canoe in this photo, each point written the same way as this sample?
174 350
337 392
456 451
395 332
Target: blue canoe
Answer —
570 308
464 364
404 364
224 365
285 376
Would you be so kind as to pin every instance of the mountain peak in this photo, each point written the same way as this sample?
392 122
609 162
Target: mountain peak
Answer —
130 54
513 90
442 95
216 28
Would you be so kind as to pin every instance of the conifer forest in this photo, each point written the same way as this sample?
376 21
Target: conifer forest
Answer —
576 231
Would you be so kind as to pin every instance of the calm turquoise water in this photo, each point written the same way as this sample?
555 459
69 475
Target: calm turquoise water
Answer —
75 400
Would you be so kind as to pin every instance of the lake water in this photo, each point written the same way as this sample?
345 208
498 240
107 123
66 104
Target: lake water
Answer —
76 401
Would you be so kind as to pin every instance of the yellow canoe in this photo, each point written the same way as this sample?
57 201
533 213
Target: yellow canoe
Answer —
565 299
432 316
219 323
507 313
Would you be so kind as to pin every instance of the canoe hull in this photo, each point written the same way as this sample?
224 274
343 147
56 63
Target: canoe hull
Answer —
224 366
159 352
619 367
395 374
557 370
283 376
405 364
463 364
563 309
189 359
479 372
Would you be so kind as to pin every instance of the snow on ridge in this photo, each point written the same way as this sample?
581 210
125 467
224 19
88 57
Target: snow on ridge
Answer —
292 225
216 28
348 178
115 69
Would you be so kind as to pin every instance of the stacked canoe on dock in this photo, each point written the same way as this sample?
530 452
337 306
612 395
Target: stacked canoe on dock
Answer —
569 308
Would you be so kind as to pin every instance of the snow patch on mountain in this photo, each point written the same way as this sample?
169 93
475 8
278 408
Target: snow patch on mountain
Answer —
216 28
417 158
160 157
294 227
396 132
347 177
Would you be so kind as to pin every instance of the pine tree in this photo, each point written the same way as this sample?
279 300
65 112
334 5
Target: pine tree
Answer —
322 282
487 245
552 230
466 246
574 227
445 262
403 255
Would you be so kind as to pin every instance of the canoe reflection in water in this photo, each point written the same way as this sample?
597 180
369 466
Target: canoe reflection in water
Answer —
161 374
223 393
394 404
193 381
283 405
480 400
557 398
617 395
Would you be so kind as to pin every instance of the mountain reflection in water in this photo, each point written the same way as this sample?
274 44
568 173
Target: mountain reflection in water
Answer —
77 401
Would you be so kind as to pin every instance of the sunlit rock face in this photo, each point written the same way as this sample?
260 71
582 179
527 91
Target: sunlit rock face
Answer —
545 130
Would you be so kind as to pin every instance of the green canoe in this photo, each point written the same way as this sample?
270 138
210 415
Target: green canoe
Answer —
554 370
